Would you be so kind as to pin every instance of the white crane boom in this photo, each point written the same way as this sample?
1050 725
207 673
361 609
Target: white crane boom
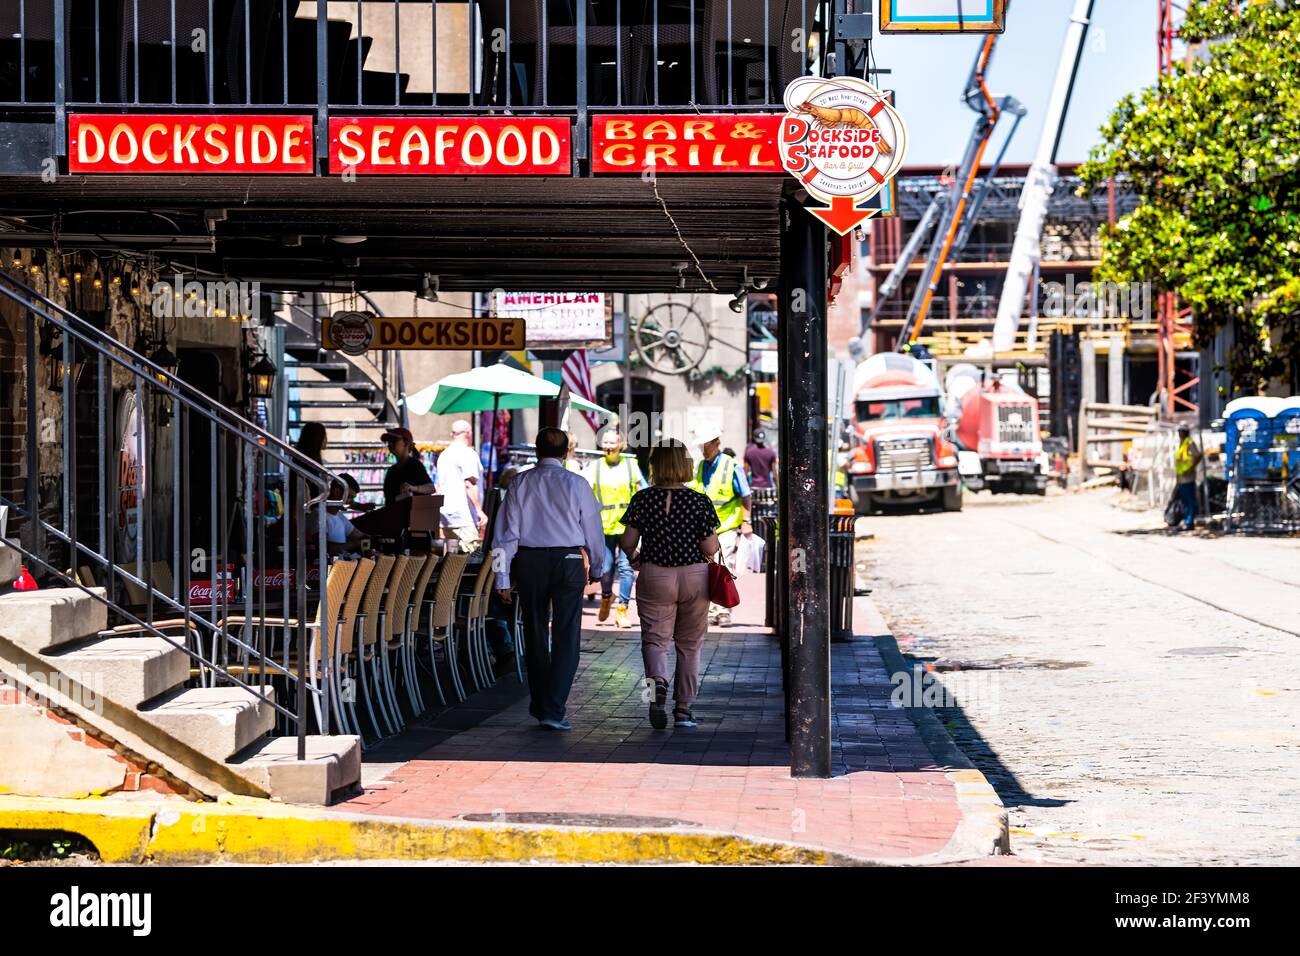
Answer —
1040 182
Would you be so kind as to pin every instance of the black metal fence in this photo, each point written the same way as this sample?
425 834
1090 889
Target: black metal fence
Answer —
154 499
419 55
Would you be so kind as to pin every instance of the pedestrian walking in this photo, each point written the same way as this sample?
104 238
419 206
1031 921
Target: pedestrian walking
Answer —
760 462
671 532
720 478
1186 459
460 482
549 544
614 479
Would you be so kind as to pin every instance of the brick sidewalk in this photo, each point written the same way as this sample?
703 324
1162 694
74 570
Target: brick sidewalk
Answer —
487 758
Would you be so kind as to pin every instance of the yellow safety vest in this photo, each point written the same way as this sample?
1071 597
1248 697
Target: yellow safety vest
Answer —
614 486
1184 460
729 506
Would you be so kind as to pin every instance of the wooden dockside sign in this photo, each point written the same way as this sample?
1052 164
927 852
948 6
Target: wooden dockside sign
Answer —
357 332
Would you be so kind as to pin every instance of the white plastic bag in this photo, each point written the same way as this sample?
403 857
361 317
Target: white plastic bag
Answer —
749 554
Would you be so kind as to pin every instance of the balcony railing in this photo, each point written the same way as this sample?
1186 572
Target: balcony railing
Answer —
405 55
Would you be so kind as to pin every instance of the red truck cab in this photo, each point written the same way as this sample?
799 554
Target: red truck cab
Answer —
900 452
996 427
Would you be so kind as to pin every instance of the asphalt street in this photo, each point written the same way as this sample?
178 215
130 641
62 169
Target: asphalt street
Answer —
1133 694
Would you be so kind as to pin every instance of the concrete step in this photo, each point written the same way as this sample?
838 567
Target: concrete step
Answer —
332 767
126 670
39 621
218 722
11 563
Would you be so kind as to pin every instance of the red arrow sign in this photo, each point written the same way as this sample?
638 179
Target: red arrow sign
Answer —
842 215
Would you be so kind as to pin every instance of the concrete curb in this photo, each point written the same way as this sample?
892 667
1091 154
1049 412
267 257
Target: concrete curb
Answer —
249 830
983 830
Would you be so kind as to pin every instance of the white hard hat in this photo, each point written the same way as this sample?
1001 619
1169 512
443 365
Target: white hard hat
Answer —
706 433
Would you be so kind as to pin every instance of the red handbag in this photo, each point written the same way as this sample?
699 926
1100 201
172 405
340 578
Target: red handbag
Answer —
722 585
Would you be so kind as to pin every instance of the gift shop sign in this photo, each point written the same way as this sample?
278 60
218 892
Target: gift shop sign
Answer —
844 141
179 143
453 146
694 143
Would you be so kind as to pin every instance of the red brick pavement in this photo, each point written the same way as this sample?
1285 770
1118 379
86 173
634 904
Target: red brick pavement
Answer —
887 798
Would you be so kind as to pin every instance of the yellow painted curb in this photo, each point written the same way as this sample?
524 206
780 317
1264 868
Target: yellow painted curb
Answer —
118 830
258 831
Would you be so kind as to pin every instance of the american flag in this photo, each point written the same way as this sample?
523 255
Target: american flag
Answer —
576 373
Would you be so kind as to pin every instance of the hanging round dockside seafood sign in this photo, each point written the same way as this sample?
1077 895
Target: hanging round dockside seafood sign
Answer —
844 141
351 332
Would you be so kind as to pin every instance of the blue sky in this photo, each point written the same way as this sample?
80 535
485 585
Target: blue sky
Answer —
930 73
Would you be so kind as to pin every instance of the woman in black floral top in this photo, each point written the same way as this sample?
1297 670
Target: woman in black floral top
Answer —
675 528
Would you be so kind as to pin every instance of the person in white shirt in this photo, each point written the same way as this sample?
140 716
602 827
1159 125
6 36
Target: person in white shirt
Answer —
460 480
340 534
548 544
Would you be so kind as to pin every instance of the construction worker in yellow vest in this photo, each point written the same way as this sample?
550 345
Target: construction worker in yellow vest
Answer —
1186 458
614 478
723 480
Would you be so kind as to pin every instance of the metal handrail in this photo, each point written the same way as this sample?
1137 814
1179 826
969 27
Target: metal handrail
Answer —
236 447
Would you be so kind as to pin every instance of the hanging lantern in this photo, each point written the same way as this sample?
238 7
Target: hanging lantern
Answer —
165 359
262 378
51 348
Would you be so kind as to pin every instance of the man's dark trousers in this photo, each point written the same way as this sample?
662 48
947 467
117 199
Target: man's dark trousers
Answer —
550 582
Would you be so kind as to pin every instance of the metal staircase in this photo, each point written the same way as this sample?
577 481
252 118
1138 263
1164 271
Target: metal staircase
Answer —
220 704
356 398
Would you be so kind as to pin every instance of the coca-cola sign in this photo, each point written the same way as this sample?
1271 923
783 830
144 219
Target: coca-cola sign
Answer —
274 578
204 594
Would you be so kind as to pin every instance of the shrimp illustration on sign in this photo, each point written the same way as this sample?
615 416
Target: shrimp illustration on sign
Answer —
842 118
844 141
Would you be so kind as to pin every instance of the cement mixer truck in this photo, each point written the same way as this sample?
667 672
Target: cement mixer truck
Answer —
995 426
900 454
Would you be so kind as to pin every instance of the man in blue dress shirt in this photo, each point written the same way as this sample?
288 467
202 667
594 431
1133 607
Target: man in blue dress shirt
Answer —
548 545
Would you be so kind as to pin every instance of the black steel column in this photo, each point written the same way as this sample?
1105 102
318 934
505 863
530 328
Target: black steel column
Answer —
804 475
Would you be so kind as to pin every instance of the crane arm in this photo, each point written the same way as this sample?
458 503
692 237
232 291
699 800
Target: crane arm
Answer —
1027 248
978 97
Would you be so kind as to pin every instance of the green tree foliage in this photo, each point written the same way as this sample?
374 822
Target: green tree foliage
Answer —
1214 152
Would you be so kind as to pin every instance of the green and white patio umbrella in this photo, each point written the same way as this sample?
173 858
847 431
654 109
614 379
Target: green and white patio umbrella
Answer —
489 388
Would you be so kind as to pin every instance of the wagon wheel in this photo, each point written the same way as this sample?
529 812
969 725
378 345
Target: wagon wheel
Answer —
672 338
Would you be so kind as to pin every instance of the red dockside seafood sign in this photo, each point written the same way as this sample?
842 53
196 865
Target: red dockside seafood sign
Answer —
843 141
